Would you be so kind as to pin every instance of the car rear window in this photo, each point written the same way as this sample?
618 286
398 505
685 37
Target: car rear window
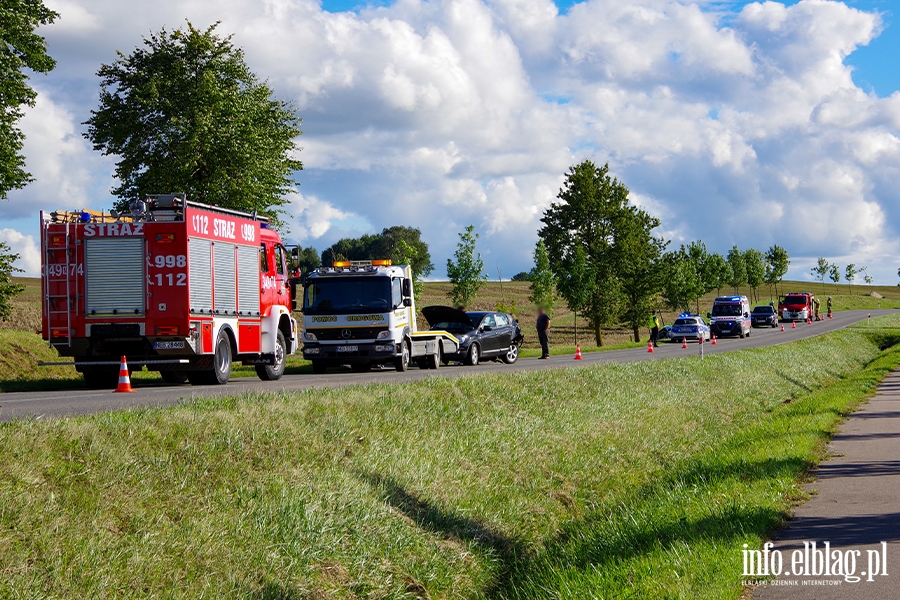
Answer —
765 310
685 321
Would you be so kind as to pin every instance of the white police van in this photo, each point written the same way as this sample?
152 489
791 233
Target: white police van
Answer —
731 316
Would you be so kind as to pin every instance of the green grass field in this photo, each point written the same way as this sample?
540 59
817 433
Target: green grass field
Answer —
635 480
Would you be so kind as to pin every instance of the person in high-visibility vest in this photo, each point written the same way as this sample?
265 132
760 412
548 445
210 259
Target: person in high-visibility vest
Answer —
829 306
655 324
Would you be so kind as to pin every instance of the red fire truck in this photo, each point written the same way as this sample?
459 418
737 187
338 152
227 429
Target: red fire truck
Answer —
181 287
797 306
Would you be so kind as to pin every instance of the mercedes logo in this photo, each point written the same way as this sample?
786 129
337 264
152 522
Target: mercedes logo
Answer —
345 334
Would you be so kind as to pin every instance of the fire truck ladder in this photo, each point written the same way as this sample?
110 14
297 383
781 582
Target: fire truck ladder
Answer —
52 301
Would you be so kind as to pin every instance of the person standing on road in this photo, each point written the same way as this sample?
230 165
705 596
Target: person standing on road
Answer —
830 306
655 325
543 329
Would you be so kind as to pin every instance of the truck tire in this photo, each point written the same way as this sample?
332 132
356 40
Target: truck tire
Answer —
433 361
401 363
221 371
274 372
512 355
473 357
101 379
319 367
174 377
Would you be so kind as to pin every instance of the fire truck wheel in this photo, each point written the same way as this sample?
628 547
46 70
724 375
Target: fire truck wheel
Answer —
221 371
401 363
274 372
319 367
101 379
173 377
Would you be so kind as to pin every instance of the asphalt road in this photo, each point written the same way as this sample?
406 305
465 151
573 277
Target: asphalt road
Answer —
82 401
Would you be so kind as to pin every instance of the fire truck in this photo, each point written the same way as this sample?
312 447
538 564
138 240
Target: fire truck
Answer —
363 313
181 287
797 306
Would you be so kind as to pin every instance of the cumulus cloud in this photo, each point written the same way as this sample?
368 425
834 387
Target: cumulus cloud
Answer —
739 128
27 249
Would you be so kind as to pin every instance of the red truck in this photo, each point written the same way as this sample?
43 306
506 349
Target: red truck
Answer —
181 287
797 306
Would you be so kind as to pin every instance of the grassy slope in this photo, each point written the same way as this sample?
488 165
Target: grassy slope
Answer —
639 480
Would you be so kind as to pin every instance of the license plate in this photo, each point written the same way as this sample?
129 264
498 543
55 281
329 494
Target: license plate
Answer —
347 349
168 345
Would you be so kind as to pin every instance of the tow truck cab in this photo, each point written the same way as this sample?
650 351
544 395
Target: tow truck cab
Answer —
362 313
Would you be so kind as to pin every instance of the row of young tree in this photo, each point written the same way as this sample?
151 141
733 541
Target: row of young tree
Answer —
832 271
600 254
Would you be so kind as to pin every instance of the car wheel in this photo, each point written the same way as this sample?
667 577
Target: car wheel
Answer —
434 361
274 372
474 355
401 363
173 377
512 355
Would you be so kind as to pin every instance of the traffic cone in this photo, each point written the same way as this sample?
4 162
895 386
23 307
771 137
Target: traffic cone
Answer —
782 328
684 343
714 342
793 324
578 352
650 347
124 379
808 320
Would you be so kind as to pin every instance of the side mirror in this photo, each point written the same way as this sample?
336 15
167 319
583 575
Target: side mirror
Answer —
709 315
407 288
407 302
746 314
486 328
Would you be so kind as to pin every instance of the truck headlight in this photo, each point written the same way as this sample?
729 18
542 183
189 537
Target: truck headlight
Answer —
310 350
383 335
310 337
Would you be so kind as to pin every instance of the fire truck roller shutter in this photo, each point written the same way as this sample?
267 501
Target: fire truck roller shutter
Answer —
248 280
225 279
200 261
114 275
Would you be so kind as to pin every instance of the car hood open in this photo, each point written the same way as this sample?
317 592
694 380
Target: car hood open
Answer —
445 314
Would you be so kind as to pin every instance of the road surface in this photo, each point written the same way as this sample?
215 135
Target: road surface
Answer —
82 401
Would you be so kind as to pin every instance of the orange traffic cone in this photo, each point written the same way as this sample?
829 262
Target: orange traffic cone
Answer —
650 347
124 380
578 352
782 328
793 324
684 342
714 342
808 321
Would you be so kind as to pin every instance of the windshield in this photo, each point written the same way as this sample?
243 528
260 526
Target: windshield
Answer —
451 326
763 310
347 295
726 310
794 300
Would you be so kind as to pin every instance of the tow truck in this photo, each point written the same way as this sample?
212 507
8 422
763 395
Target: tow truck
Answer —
181 287
363 313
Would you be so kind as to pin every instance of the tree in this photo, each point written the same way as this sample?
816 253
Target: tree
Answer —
185 113
777 264
717 272
585 213
738 268
850 272
834 273
522 276
8 289
755 265
307 259
406 253
637 256
466 272
577 283
401 244
821 270
686 276
20 49
543 284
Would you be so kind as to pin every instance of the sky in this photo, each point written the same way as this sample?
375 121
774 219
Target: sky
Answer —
733 122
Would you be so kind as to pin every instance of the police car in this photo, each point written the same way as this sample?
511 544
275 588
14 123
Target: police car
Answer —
691 327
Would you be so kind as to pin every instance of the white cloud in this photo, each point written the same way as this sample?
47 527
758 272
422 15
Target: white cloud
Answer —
27 249
738 128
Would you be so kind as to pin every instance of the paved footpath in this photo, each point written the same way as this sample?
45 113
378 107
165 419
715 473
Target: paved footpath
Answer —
857 506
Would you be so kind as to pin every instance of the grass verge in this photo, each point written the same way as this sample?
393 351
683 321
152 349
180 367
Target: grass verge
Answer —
634 480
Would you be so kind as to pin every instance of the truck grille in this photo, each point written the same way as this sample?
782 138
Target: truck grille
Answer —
353 333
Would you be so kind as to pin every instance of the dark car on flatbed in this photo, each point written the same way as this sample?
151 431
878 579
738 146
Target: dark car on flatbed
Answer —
481 334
